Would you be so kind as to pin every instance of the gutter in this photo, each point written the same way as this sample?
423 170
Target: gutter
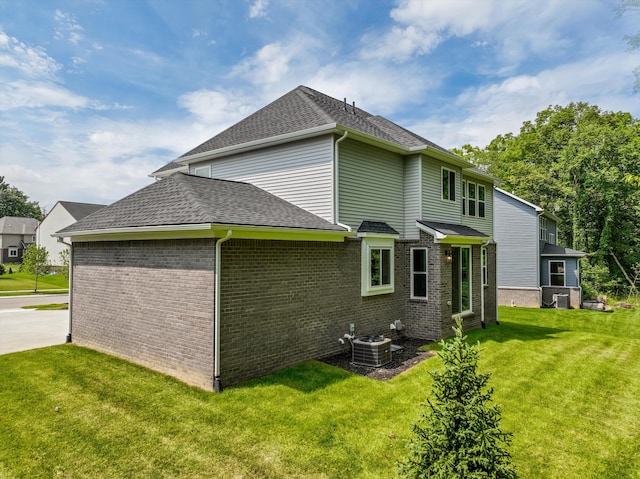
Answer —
217 382
70 245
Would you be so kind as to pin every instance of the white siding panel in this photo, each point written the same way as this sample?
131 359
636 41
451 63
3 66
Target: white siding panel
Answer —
371 185
434 208
516 232
412 196
297 172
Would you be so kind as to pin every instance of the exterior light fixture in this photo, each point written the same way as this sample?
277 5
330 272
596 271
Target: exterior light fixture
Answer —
448 255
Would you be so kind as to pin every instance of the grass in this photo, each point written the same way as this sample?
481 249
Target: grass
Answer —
49 307
568 383
18 281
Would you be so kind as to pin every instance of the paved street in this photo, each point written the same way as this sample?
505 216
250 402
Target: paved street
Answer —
23 329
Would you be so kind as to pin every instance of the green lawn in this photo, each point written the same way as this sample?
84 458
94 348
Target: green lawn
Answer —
568 383
26 282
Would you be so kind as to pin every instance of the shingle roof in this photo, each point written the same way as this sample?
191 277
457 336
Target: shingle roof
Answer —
18 225
555 250
183 199
80 210
172 165
451 229
304 108
376 227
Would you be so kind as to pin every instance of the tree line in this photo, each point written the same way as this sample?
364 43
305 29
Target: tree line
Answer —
583 165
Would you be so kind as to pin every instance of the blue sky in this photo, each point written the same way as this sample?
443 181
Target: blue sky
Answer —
97 94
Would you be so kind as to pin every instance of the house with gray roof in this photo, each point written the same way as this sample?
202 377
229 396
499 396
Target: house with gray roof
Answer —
307 223
16 234
63 214
532 268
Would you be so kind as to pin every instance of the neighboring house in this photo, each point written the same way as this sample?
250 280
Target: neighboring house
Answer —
16 234
532 267
63 214
306 221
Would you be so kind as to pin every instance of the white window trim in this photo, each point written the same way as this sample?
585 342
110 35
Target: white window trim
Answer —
207 168
465 209
474 200
369 243
426 273
448 170
564 274
484 202
13 252
485 266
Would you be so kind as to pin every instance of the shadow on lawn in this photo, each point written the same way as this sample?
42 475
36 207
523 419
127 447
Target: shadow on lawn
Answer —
306 377
508 331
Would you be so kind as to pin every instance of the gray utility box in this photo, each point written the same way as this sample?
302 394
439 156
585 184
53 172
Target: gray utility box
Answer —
561 301
374 351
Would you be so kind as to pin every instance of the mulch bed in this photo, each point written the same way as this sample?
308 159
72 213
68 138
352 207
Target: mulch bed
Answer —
402 360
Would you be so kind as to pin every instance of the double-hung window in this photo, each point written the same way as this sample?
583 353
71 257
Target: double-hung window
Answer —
556 273
481 201
485 276
543 228
419 276
448 184
464 197
471 196
377 265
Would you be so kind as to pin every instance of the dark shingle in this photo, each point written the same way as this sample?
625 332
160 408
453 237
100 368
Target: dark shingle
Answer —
183 199
376 227
80 210
451 229
555 250
304 108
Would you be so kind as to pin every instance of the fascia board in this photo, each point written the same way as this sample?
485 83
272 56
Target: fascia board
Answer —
164 174
370 234
275 233
565 255
261 143
517 198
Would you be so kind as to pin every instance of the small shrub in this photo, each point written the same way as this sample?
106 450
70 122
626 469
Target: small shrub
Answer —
2 270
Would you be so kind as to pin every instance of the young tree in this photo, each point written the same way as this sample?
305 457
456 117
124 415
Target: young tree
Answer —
64 256
34 259
458 435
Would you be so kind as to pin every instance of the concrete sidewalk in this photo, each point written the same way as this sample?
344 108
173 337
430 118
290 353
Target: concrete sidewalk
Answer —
23 329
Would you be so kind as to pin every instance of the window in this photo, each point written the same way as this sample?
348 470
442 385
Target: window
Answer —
448 184
419 273
552 238
485 277
556 273
203 171
543 228
481 201
472 198
461 279
464 197
377 266
13 252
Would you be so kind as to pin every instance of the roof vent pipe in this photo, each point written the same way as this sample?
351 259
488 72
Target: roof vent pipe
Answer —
345 103
354 108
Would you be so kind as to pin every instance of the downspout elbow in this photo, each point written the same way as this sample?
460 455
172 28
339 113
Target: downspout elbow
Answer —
336 192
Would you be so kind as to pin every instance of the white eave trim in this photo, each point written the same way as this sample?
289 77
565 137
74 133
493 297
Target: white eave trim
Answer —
136 229
439 237
372 234
517 198
251 145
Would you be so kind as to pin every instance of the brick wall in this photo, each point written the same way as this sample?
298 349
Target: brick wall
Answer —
285 302
150 302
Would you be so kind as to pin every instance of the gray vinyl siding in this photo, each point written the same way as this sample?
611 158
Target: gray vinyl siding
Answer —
485 224
299 172
370 185
571 278
434 208
516 233
412 196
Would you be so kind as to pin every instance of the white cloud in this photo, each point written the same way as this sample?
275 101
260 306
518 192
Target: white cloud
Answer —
216 108
500 108
30 61
21 94
258 8
67 27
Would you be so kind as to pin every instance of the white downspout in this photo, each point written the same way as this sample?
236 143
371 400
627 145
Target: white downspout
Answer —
483 247
70 245
336 194
217 382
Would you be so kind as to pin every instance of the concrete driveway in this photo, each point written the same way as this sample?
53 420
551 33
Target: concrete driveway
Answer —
23 329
